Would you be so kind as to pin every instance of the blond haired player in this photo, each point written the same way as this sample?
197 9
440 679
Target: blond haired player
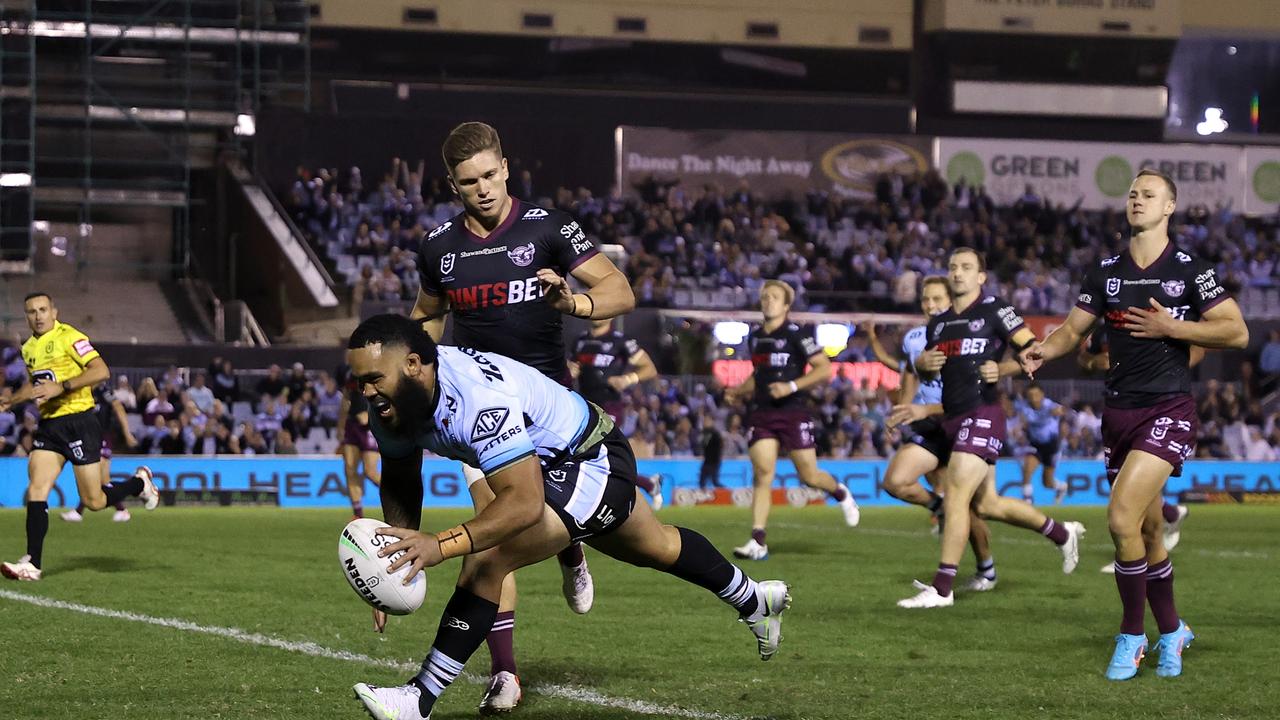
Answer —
63 368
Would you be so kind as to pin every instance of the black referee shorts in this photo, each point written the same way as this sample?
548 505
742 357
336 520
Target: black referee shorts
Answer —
76 437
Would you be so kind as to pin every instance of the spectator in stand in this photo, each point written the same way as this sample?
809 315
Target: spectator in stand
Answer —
172 442
158 406
272 386
226 386
269 420
200 394
284 443
124 393
298 422
735 439
1269 358
297 381
252 442
328 402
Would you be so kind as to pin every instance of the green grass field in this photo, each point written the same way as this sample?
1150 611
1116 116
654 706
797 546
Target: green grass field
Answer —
1035 647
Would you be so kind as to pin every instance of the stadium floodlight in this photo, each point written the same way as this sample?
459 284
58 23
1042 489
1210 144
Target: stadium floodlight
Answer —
1213 122
730 333
832 335
15 180
246 126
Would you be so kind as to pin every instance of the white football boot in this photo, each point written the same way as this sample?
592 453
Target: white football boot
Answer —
850 508
578 587
391 703
1071 548
752 551
121 516
775 598
656 498
928 597
1173 530
1109 568
21 570
978 583
502 695
150 496
72 516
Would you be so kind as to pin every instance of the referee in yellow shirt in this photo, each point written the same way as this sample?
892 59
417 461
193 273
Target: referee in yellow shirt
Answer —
63 368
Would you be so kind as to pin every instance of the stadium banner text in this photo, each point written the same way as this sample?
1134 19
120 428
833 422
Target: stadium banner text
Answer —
319 481
1099 174
773 163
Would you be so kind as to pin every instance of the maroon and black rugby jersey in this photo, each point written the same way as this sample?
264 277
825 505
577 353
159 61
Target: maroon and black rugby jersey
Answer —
600 358
492 283
1144 371
780 356
969 339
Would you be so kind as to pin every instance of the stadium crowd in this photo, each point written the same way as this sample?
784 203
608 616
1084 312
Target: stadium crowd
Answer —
224 411
839 253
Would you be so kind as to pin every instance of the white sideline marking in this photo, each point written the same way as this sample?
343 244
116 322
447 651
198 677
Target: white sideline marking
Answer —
887 532
572 693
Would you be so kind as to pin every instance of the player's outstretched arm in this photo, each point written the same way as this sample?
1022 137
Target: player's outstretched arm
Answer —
882 353
433 308
402 491
1061 341
516 507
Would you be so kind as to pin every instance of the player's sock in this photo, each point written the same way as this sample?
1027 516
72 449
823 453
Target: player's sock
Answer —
701 564
1170 513
502 644
758 534
357 509
987 568
839 494
1131 581
1028 493
120 506
944 578
644 483
37 527
1055 532
118 491
572 556
81 507
466 621
1160 596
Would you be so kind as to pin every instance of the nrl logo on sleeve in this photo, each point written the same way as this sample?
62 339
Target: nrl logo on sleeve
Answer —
488 423
1173 288
521 255
446 264
535 214
1113 286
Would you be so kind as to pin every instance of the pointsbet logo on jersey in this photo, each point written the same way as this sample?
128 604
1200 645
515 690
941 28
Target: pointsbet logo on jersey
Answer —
495 294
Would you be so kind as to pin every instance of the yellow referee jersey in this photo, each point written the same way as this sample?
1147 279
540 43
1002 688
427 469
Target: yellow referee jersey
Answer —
58 356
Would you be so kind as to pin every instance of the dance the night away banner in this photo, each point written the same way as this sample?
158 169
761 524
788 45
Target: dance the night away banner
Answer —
773 163
318 481
1244 178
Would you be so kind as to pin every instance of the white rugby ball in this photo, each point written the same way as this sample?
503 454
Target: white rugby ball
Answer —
358 548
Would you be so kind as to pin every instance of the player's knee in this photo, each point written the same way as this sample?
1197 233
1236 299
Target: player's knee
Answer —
95 503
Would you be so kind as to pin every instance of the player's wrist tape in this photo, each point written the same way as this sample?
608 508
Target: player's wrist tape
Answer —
454 542
590 312
794 387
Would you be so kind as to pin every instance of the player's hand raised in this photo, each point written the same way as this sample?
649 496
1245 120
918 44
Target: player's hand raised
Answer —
556 292
1151 323
931 360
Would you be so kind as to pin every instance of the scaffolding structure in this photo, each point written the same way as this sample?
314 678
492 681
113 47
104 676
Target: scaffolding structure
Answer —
138 101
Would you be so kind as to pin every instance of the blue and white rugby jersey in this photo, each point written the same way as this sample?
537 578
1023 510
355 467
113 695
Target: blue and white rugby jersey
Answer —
913 343
492 411
1042 425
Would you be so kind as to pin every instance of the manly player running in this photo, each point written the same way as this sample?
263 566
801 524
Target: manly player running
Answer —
1043 418
1093 357
111 417
63 367
975 331
501 268
560 472
926 451
359 450
779 418
1156 301
606 363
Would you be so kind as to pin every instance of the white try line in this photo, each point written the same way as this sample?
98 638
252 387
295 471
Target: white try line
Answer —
887 532
572 693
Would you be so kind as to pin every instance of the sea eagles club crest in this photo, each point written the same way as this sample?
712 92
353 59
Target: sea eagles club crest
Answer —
446 264
1173 288
521 255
